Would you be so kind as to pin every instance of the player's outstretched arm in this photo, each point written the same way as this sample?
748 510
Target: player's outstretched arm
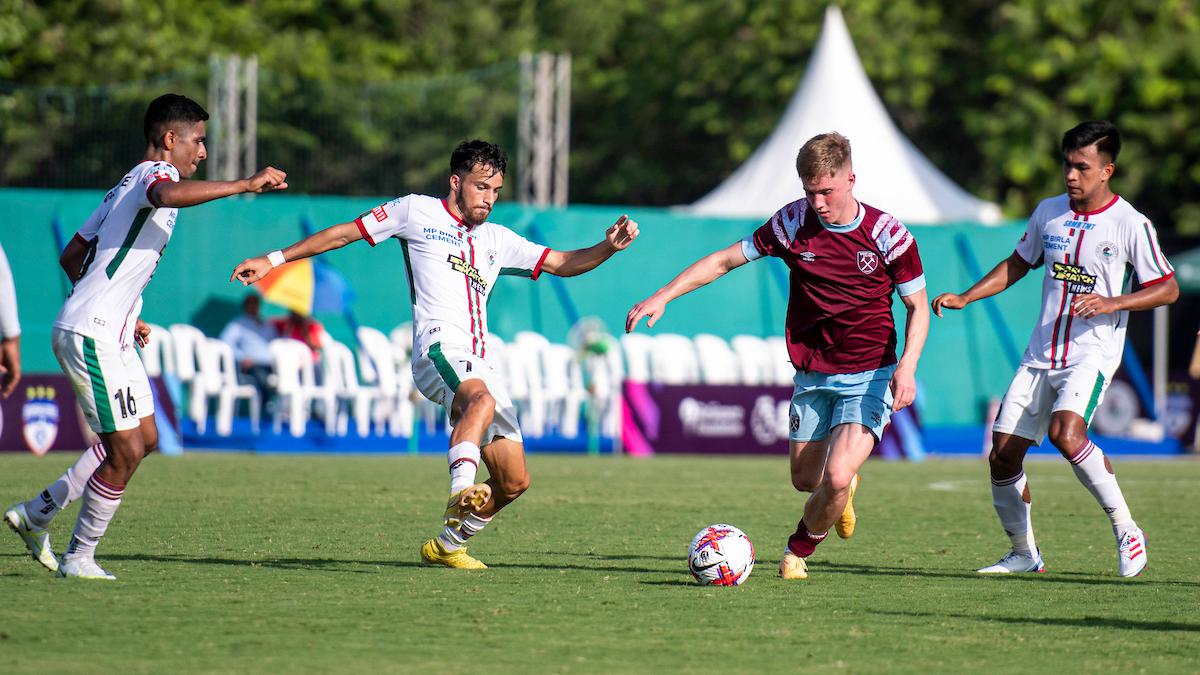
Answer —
192 192
904 380
700 273
251 270
1008 272
1149 297
573 263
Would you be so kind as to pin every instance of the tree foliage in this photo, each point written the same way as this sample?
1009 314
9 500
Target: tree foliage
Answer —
669 96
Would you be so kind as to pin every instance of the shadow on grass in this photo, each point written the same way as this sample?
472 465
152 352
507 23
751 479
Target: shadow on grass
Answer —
1080 622
673 582
1047 578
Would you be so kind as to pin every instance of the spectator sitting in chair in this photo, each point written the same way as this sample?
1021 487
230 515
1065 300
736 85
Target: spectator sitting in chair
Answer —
303 328
250 338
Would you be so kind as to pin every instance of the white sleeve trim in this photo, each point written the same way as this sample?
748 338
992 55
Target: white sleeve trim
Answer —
910 287
750 250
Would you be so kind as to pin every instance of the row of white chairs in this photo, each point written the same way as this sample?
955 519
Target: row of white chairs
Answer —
551 384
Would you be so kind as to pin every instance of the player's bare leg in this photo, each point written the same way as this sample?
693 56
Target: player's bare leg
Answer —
807 463
849 446
102 497
471 413
1010 497
1068 432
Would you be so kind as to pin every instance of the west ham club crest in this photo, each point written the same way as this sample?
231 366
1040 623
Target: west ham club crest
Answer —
868 262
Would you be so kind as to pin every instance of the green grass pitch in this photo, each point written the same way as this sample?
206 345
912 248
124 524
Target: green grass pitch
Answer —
237 563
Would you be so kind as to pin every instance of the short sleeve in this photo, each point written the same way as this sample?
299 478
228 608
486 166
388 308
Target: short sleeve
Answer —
10 326
764 241
901 261
1146 256
157 173
1030 245
91 226
518 256
386 220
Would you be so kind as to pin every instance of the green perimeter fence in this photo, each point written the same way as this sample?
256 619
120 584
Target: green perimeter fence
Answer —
965 361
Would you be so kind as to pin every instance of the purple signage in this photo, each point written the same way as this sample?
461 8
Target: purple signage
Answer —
721 419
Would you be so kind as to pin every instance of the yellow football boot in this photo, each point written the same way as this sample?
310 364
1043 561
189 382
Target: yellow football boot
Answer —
793 567
845 524
466 500
434 553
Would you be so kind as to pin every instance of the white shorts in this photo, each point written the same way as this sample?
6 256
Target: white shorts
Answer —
440 370
1037 393
110 382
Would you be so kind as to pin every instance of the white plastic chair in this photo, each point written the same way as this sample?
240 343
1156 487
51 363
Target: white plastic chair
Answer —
185 339
341 375
754 359
297 387
525 360
379 361
158 356
782 370
673 360
217 377
564 390
637 348
717 361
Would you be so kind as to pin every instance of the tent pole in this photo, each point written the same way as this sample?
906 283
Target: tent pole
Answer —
1160 362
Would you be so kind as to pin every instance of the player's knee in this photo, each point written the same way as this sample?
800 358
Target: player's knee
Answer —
805 483
839 480
481 404
1067 439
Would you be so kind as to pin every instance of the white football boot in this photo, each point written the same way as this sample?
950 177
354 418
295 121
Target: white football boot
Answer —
83 568
1131 552
36 539
1016 563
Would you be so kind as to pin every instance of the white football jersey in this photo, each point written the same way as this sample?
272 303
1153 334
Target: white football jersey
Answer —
126 236
1094 252
451 267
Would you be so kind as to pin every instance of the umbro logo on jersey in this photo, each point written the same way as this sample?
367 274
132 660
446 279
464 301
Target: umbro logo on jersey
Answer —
469 270
807 256
868 262
379 213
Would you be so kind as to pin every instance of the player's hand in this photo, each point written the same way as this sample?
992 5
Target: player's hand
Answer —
904 388
622 233
949 301
650 307
141 333
268 180
1090 305
251 270
10 365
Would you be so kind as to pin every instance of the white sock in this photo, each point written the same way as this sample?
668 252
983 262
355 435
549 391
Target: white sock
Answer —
100 502
1011 499
455 538
1094 471
464 463
69 487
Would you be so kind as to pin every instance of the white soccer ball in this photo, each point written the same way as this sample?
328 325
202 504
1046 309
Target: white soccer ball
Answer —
721 555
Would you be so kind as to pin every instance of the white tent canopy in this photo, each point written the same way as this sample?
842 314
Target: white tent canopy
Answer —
835 95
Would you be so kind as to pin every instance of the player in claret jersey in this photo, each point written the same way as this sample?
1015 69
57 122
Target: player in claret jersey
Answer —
1090 242
453 256
845 259
111 260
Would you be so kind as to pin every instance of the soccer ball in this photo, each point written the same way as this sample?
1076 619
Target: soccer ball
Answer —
721 555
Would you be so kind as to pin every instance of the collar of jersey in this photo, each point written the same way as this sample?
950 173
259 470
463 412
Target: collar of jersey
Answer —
1100 210
458 221
848 227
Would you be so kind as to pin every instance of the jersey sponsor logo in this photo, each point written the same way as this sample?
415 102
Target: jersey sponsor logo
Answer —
434 234
1106 251
1054 242
379 213
470 271
868 262
39 417
1075 277
807 256
1079 224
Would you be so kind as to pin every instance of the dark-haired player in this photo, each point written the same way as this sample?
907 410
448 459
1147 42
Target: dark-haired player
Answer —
110 261
846 258
1090 241
453 256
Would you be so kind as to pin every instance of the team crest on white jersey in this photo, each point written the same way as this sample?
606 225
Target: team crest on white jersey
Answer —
1106 252
868 262
39 418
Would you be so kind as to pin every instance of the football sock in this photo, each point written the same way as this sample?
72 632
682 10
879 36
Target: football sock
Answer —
451 538
100 502
1094 471
455 538
464 463
802 542
69 487
1010 496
